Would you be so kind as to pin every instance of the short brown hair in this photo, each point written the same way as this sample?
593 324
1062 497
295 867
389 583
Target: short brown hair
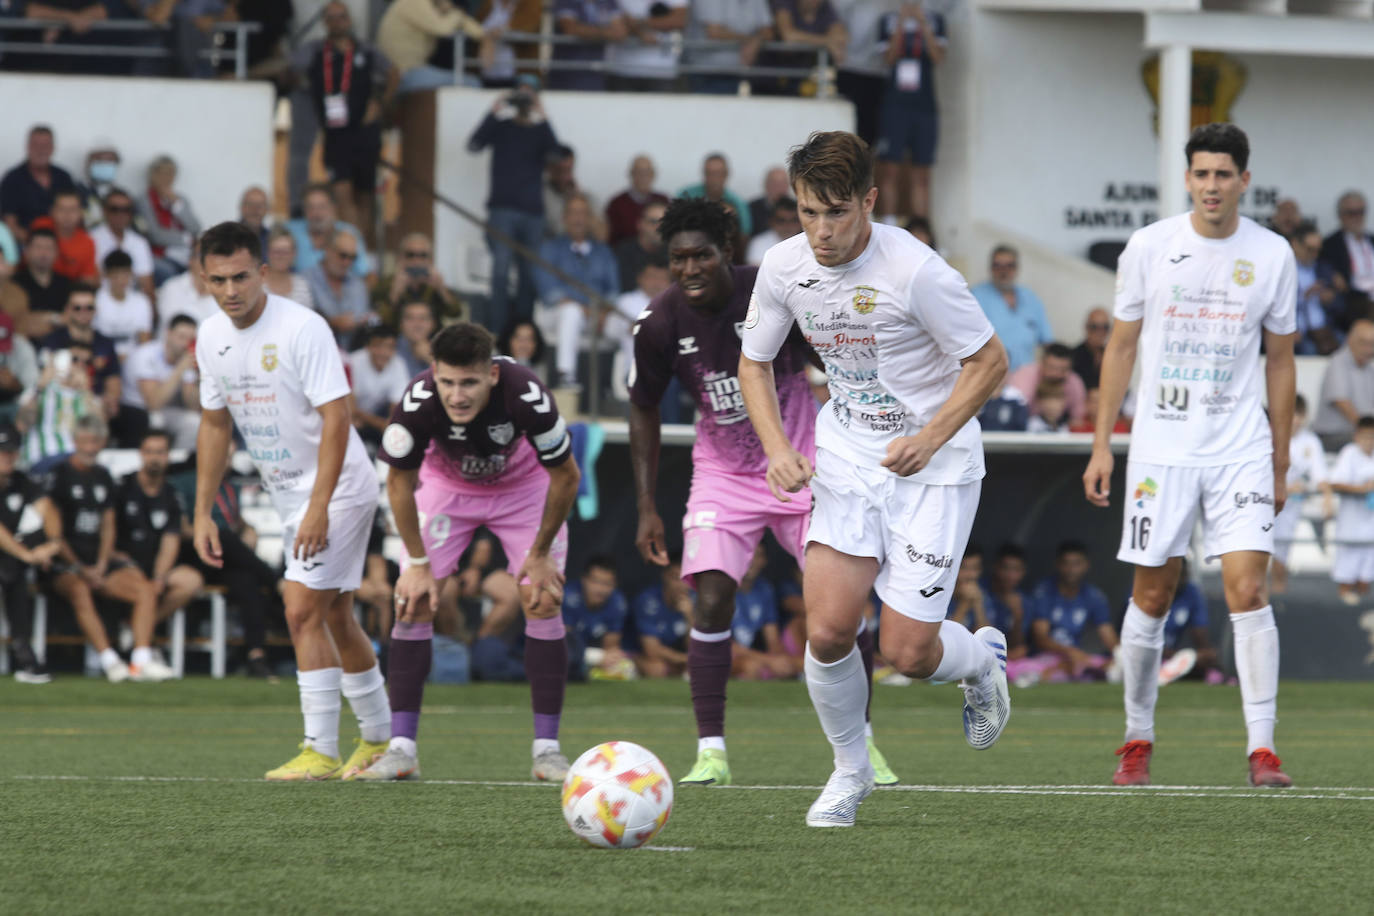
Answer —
835 165
464 345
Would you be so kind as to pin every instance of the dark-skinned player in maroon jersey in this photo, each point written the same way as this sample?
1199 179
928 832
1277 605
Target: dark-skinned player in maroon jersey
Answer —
477 441
693 331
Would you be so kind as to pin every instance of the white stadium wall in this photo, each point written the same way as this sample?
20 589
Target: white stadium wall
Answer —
678 131
220 133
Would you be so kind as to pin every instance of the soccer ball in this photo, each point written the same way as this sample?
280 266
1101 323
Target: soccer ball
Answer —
617 795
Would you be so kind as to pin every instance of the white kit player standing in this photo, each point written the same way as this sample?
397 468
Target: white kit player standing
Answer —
271 367
1195 293
899 454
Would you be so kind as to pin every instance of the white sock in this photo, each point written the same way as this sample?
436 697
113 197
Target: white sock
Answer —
406 746
109 658
839 691
141 655
966 657
716 743
366 692
320 707
1257 664
1142 646
545 744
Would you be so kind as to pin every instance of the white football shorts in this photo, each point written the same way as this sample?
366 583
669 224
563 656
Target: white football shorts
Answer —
340 564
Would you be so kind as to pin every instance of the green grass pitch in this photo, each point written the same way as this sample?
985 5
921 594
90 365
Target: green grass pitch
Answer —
148 799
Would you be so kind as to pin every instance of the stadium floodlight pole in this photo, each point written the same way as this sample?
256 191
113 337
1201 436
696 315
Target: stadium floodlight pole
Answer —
594 299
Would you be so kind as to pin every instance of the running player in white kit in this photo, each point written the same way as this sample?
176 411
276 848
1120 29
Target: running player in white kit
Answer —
1196 293
271 367
899 454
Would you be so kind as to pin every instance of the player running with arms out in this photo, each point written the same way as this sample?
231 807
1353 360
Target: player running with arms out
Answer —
1195 293
899 456
693 331
478 441
271 367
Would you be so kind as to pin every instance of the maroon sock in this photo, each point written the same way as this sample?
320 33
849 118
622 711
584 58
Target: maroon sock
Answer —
708 668
408 663
865 643
546 668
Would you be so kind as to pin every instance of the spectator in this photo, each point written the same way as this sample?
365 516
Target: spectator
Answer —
1005 602
652 281
170 223
86 568
1349 251
498 58
22 551
625 210
579 256
775 188
783 223
75 250
810 22
26 191
47 291
122 313
193 31
313 232
633 253
524 343
282 278
520 138
758 650
747 22
1320 306
649 63
1188 618
663 618
1347 387
560 186
862 77
921 230
1054 367
1086 359
1306 477
379 379
148 530
78 319
968 604
1016 313
253 207
102 169
1050 413
909 121
186 294
409 32
417 326
594 612
116 233
715 172
18 369
1062 606
1286 218
160 388
337 293
1352 479
596 22
50 413
416 279
351 84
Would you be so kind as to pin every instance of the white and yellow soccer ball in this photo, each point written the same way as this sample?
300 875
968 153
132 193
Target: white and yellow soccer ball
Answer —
617 795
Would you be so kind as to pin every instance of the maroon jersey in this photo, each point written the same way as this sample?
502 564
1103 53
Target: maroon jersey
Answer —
702 348
516 432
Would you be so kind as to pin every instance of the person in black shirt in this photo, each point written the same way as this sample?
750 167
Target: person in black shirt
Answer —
84 493
47 290
19 553
27 190
149 515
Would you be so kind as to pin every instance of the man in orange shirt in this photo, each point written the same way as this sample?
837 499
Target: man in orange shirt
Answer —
75 248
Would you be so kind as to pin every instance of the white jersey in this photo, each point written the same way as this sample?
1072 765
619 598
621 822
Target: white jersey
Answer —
1355 518
1203 302
272 376
891 327
1306 461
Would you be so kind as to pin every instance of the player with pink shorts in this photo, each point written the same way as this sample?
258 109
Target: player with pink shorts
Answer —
692 331
477 441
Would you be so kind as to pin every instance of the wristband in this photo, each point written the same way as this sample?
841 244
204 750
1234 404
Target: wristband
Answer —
418 561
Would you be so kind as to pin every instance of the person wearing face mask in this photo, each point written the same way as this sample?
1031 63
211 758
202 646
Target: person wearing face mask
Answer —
102 170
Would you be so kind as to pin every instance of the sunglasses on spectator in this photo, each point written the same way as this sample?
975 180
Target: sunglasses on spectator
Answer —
118 208
346 255
82 308
1003 265
417 255
1099 326
1353 211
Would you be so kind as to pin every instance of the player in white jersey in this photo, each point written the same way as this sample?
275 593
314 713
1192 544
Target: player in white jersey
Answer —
1195 293
899 456
271 367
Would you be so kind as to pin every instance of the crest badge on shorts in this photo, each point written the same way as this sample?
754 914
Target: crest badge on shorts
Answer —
269 357
501 433
1244 272
865 299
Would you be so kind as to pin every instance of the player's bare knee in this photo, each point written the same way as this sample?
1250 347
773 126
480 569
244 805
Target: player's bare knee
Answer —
1246 594
303 614
544 610
1153 600
913 659
830 642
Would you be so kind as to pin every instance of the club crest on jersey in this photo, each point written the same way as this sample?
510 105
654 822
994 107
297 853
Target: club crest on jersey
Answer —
865 300
269 357
501 433
1244 272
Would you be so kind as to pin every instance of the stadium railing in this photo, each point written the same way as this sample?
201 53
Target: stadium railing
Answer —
238 53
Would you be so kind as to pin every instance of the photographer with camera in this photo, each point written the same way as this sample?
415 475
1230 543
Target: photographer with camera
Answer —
416 280
520 138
